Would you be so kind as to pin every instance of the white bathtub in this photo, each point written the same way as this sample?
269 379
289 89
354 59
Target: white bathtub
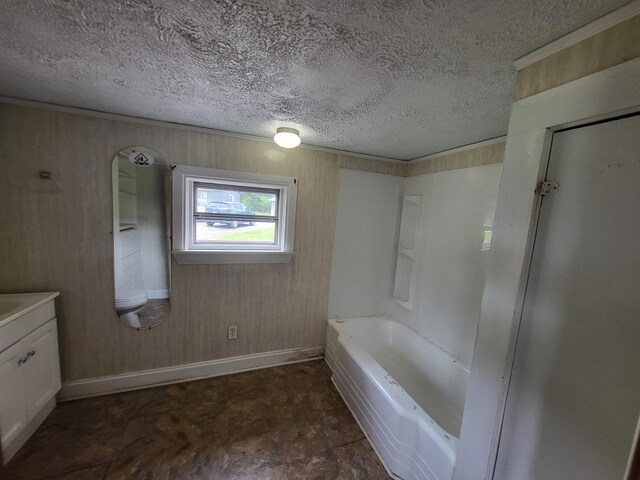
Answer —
407 394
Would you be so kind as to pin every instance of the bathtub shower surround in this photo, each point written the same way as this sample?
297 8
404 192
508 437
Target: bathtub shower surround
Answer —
402 336
407 393
367 221
452 242
447 229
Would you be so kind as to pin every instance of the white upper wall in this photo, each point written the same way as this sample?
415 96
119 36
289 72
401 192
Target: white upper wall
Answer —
364 249
457 207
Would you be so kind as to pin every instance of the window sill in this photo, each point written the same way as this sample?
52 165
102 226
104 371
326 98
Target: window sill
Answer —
191 257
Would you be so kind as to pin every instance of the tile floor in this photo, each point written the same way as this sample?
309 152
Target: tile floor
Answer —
285 422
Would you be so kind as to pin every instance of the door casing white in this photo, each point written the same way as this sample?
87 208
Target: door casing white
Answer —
574 395
606 94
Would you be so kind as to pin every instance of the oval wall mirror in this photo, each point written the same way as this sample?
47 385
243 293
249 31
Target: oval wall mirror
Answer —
141 237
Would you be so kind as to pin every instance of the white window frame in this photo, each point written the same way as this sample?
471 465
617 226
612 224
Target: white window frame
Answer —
186 251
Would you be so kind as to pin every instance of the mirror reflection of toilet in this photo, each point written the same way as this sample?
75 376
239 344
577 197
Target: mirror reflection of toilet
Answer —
128 303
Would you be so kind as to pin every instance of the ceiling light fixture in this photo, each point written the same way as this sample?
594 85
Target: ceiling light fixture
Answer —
287 137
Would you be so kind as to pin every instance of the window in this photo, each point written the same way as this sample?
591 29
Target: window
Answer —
222 216
488 230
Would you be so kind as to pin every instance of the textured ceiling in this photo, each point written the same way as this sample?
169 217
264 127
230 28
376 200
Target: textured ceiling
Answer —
395 78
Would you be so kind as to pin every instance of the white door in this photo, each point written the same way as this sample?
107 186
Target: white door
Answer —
574 397
13 409
41 368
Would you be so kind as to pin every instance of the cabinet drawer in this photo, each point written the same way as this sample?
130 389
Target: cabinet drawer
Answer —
16 330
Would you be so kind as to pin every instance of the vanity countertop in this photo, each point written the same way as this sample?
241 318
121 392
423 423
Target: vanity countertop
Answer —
14 305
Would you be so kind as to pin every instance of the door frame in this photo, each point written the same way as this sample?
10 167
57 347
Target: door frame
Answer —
603 95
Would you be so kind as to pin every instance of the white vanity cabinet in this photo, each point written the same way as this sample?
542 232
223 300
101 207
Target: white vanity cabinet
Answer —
29 366
13 406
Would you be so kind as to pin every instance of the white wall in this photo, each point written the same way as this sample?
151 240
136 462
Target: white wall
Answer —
152 224
450 261
365 242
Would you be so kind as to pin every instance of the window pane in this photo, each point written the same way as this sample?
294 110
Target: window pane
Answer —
235 231
227 214
235 200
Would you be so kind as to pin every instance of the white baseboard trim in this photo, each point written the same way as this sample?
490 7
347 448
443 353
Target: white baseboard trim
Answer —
92 387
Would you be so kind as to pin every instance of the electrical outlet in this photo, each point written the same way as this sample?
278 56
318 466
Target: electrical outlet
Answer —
232 332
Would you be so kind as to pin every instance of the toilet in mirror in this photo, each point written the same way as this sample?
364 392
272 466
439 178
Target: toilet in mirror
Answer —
141 237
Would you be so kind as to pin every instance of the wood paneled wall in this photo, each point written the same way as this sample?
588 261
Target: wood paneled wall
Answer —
373 166
611 47
474 157
56 235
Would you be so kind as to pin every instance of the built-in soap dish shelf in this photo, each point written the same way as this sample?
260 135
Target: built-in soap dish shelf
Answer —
404 285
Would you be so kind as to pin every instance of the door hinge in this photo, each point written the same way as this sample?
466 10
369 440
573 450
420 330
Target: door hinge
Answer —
547 188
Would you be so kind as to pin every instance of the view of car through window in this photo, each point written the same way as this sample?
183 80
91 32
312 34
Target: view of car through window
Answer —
229 206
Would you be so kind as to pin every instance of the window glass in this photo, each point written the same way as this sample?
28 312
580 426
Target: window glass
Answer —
235 214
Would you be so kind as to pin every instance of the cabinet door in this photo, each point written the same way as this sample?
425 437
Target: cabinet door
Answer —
41 370
13 409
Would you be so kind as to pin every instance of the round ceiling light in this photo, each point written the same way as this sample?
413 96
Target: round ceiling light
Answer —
287 137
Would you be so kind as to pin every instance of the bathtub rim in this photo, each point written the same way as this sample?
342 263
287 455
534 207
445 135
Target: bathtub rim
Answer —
459 363
340 324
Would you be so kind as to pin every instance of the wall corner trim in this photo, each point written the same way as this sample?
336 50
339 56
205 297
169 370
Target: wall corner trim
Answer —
92 387
610 20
